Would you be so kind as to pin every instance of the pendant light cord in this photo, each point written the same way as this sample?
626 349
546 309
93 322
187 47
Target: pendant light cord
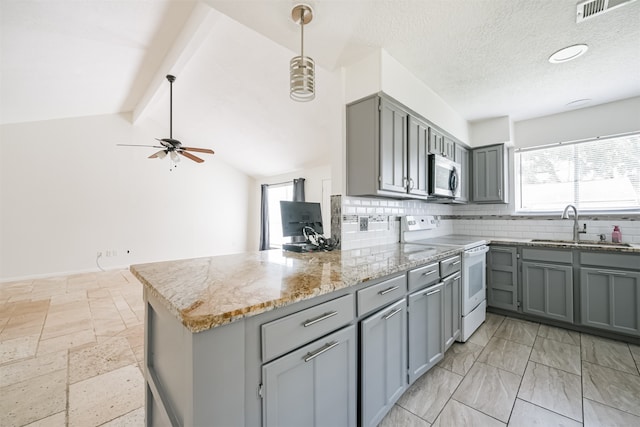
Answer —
302 34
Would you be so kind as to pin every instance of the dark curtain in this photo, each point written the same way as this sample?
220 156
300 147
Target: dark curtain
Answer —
298 196
264 218
298 190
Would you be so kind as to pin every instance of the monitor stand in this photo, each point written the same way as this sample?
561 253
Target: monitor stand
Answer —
299 247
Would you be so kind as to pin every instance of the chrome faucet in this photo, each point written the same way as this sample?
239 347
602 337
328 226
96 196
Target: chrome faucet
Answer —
576 228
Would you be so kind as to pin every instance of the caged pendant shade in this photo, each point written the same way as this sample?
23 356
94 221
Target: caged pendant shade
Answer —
302 84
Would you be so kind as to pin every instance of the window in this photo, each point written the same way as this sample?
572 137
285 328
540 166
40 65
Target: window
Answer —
598 175
275 194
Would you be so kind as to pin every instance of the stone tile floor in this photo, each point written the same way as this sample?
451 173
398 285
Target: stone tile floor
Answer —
518 373
71 354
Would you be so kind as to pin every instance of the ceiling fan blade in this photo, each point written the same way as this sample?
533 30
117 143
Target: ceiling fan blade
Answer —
199 150
191 156
137 145
160 154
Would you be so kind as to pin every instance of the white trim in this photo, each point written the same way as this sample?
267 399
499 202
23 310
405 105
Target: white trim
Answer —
59 274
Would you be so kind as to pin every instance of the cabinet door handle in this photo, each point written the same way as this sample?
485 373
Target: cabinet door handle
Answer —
432 292
319 319
427 273
617 273
411 184
393 313
386 291
328 346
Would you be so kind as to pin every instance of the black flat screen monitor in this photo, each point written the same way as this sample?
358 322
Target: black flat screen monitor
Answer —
297 215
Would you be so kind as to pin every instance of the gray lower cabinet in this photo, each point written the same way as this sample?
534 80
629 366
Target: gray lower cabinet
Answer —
610 299
315 385
383 362
452 318
547 290
426 329
502 277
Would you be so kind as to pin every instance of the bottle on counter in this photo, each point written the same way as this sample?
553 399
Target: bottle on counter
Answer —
616 236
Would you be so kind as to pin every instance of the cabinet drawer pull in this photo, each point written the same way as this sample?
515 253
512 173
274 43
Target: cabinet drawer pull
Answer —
455 263
393 313
386 291
328 346
432 292
429 272
319 319
445 261
617 273
452 277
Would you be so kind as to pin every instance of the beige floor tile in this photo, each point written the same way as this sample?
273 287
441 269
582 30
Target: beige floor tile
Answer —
460 357
428 395
87 362
553 389
22 328
557 355
57 328
27 401
65 342
609 353
505 354
18 348
55 420
611 387
458 414
489 390
526 414
399 416
109 327
484 333
33 367
520 331
558 334
597 415
96 400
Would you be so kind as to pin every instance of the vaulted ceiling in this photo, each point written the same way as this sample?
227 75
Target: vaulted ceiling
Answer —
484 58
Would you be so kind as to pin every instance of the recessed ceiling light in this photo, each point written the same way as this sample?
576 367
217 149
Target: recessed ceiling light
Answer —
568 53
578 102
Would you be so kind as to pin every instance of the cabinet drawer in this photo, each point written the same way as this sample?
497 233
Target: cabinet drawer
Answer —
383 293
565 256
423 276
450 265
611 260
283 335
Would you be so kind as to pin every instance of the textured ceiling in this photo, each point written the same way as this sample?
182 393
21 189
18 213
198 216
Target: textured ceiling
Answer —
485 58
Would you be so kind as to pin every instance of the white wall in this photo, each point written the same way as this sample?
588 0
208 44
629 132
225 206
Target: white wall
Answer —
496 130
601 120
67 191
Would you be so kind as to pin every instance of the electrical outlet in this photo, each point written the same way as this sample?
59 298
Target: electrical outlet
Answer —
364 223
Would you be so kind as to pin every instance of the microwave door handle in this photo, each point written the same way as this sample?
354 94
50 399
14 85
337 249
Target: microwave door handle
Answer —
453 180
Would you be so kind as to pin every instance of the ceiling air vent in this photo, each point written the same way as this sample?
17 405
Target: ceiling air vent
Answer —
590 8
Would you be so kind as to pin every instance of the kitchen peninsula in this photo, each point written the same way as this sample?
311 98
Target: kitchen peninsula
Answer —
208 335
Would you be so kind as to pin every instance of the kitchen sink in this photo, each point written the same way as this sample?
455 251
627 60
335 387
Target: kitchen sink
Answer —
582 242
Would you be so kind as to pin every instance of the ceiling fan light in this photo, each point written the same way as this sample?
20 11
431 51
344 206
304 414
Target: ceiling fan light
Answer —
161 154
175 157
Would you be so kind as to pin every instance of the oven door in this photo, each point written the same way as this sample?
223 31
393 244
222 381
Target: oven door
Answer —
474 278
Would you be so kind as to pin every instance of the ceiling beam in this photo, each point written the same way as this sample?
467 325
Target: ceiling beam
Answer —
198 27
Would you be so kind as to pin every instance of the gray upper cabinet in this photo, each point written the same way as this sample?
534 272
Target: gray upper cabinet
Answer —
452 318
426 330
489 174
462 157
313 386
440 144
393 148
502 277
418 143
383 362
610 292
547 290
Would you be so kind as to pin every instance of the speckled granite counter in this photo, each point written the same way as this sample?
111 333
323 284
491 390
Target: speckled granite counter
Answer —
207 292
587 246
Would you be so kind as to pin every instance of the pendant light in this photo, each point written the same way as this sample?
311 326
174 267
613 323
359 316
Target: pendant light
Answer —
302 68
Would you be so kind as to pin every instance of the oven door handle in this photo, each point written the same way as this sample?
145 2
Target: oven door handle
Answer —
474 253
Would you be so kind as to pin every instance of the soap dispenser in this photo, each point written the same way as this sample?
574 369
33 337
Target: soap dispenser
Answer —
616 236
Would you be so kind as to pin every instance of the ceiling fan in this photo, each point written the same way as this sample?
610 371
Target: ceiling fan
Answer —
171 146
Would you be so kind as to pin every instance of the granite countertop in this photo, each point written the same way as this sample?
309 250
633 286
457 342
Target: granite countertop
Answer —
207 292
583 245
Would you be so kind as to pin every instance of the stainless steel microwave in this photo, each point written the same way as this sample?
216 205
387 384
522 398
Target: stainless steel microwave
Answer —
444 177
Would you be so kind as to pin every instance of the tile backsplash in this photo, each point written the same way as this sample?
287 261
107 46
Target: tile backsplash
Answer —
383 222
